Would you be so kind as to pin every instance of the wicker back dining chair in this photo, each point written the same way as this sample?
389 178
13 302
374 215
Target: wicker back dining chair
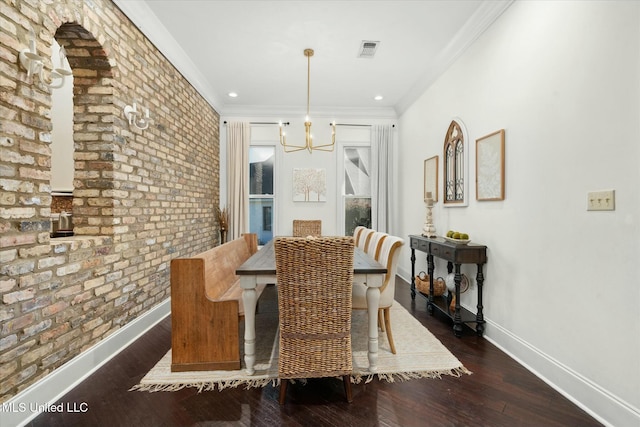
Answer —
315 278
307 227
388 256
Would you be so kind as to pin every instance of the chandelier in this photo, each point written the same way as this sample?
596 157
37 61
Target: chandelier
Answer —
308 138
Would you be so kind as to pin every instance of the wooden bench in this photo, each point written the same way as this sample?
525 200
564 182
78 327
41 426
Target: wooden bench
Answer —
206 307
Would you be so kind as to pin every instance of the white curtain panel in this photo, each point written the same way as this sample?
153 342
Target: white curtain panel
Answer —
238 141
382 159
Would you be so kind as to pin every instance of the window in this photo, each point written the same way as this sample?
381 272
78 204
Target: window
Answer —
356 190
261 195
266 218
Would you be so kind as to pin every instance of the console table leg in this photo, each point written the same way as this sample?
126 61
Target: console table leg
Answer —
480 316
430 270
457 318
413 273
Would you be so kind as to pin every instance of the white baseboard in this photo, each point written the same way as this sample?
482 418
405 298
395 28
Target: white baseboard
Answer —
601 404
25 406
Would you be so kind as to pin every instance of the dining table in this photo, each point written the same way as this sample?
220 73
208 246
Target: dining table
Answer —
261 268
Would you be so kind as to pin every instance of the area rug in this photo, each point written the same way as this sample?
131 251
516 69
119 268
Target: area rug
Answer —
419 354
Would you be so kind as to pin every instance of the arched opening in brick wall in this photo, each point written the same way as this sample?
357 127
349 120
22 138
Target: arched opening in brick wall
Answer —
62 164
93 135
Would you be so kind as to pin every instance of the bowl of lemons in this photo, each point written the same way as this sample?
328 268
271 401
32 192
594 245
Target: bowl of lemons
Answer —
457 237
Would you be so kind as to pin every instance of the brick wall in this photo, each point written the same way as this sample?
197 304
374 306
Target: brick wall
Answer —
141 198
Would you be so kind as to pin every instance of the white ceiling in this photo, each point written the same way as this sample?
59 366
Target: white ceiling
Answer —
255 48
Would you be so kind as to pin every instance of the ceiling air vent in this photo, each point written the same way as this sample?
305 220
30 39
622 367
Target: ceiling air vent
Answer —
368 49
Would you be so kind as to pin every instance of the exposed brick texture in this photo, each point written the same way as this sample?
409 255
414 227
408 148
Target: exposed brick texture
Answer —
141 198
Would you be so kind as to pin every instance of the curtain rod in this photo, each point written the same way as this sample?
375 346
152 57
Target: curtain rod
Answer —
351 124
288 124
265 123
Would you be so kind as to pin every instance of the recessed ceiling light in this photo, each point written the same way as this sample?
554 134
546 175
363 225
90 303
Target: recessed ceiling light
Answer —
378 97
232 95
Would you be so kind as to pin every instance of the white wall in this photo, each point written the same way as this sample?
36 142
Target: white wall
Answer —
561 290
286 210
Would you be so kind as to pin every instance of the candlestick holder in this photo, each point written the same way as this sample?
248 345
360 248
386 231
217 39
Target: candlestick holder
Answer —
429 230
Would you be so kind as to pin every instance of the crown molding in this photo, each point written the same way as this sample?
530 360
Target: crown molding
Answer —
481 20
287 113
146 21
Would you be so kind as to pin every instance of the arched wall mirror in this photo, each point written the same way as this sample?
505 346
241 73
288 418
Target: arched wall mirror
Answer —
455 166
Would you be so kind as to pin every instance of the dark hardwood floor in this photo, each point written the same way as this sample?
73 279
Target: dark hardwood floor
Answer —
500 392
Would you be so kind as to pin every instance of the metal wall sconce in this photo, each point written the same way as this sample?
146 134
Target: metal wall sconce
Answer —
34 64
137 118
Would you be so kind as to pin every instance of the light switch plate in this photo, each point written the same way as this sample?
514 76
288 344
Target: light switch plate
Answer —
603 200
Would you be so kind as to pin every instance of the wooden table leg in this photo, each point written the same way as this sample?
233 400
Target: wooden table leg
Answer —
249 299
373 302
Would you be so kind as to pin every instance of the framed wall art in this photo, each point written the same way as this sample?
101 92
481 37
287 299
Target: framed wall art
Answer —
309 185
431 178
455 166
490 166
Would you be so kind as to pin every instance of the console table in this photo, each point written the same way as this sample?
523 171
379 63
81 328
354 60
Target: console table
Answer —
455 254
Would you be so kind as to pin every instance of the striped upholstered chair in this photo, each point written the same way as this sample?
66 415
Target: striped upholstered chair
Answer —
374 243
363 240
356 233
388 256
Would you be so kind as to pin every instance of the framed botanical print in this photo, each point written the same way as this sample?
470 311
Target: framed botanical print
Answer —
490 166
